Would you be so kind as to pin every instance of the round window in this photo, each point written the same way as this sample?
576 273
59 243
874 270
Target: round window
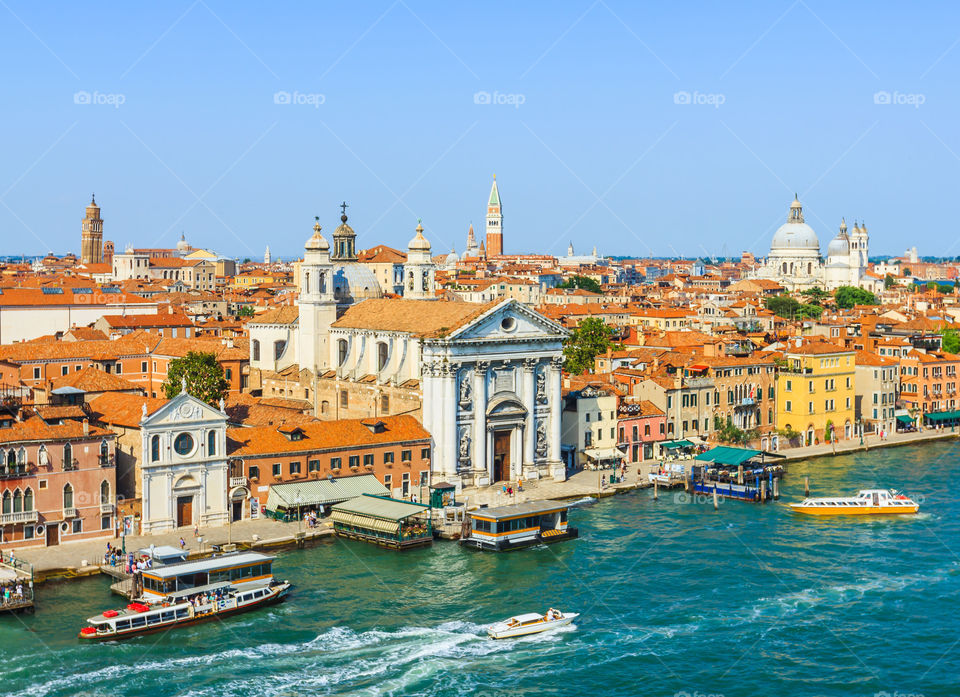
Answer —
183 444
508 324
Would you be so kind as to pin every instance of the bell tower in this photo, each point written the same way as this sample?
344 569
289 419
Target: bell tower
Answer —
91 235
418 271
494 222
318 308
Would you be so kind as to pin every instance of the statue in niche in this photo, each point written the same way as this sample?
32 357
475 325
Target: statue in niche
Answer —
542 439
466 391
541 388
464 445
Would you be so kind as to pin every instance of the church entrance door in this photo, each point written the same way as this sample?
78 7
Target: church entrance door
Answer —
184 511
501 456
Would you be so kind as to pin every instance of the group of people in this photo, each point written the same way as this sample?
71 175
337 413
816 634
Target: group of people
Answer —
207 600
311 519
13 593
552 615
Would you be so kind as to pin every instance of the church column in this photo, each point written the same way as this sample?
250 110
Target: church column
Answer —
448 415
556 407
530 401
480 418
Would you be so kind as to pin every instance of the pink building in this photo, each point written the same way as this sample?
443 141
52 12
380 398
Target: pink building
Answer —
640 424
57 480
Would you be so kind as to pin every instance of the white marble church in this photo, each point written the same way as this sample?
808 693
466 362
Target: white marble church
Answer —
486 376
795 261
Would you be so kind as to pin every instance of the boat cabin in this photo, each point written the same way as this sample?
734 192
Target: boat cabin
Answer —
518 525
242 570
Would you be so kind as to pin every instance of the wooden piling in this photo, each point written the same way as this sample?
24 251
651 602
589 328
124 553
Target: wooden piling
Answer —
806 486
656 491
716 500
740 474
763 490
776 488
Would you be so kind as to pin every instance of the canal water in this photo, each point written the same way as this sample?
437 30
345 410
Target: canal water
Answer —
676 599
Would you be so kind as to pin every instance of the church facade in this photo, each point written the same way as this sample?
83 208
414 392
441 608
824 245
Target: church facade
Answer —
483 378
795 261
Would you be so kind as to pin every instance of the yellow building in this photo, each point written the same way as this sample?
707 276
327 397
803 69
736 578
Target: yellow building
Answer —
816 391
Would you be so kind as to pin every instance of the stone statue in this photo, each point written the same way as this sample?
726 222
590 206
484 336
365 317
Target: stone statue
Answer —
183 385
541 388
542 439
465 445
223 406
143 410
466 391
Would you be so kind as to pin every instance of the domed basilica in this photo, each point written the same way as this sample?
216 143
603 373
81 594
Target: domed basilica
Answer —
795 261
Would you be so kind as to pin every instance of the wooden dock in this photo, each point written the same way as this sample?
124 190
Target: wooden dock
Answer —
16 572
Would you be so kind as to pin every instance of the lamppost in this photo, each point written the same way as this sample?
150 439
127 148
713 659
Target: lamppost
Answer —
299 517
860 425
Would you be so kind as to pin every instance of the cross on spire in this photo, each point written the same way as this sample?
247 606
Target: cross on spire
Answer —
343 208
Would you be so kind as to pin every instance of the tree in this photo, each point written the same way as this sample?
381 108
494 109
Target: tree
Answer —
246 311
204 377
816 295
585 343
888 281
848 296
810 311
906 271
783 306
951 340
584 282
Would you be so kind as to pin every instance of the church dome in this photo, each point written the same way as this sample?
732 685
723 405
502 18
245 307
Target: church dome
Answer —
452 258
795 235
840 245
316 243
182 245
354 282
419 243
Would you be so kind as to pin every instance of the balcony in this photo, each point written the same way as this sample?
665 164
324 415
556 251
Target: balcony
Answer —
13 471
747 402
237 481
106 508
106 460
69 512
20 517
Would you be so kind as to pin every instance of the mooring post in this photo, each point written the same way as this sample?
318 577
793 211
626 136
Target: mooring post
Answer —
656 492
806 486
776 488
716 500
763 490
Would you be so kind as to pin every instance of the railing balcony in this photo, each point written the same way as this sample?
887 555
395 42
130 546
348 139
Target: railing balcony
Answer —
238 481
70 466
13 471
107 460
106 507
19 517
69 512
747 402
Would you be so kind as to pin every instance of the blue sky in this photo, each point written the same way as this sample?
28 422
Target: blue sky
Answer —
589 129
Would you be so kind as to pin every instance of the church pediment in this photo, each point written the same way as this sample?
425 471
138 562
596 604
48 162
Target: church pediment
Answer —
510 320
182 409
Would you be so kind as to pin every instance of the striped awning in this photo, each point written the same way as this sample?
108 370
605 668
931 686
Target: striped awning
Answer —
361 521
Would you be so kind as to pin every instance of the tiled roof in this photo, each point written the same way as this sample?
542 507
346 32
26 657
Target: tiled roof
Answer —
52 412
91 379
123 409
285 314
134 344
324 435
157 320
423 318
180 347
30 297
35 429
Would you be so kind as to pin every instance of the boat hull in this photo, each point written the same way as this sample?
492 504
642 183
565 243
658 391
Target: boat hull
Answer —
854 510
499 631
277 597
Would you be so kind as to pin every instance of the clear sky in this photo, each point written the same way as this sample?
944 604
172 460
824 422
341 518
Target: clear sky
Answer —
661 128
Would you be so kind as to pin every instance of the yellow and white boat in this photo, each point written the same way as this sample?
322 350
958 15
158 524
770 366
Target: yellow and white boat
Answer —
530 623
866 502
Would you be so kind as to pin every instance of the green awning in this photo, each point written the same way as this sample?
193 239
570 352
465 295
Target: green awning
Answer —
322 492
938 416
725 455
905 420
382 508
674 444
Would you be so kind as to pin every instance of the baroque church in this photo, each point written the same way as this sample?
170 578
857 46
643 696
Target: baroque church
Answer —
484 379
795 261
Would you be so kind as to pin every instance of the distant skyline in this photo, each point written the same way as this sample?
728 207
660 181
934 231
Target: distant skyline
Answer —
644 130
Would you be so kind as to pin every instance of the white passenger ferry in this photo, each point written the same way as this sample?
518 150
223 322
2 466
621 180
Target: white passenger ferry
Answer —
866 502
189 592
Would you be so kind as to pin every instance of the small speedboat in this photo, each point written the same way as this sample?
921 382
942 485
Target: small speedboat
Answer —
530 623
585 501
866 502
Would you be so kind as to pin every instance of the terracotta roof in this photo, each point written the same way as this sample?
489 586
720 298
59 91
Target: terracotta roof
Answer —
51 412
179 347
86 334
324 435
423 318
29 297
123 409
36 429
143 321
91 379
285 314
133 344
381 254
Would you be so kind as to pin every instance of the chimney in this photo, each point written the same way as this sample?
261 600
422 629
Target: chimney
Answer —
86 427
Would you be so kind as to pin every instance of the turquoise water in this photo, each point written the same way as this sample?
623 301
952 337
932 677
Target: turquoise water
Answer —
676 599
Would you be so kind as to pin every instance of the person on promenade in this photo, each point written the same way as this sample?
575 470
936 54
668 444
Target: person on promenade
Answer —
182 543
196 530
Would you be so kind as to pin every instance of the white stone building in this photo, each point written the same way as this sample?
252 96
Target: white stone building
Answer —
184 466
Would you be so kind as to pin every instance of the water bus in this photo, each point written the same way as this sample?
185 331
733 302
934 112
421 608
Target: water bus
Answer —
517 525
189 592
866 502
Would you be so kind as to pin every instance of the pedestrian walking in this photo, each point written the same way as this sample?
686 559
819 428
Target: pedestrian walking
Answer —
183 543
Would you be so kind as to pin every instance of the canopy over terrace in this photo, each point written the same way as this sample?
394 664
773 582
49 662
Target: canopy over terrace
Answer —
727 456
942 418
384 521
282 498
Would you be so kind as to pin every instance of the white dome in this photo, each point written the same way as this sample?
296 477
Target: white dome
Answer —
419 243
794 236
839 247
353 282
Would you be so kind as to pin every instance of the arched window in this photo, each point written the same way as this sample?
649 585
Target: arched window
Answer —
381 355
7 502
67 496
11 460
324 407
646 429
809 268
22 456
256 349
17 501
28 499
104 491
306 282
155 449
67 456
341 351
104 451
211 443
278 347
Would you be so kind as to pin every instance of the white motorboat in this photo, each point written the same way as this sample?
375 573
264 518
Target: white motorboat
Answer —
530 623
